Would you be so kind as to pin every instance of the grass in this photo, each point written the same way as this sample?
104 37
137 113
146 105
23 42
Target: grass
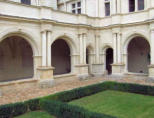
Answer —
119 104
36 114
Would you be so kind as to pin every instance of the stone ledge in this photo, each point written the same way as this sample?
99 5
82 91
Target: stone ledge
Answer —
45 68
64 75
18 82
81 65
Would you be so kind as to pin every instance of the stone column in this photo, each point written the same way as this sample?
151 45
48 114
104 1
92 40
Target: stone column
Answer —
97 41
136 5
84 6
118 6
45 71
44 43
97 7
117 66
82 67
114 6
49 48
151 66
97 67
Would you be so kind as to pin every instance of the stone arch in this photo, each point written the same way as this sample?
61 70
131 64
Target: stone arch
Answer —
61 56
108 58
130 36
27 35
128 45
89 57
69 40
16 58
106 47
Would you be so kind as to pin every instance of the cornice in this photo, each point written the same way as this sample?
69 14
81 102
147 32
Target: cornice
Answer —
53 22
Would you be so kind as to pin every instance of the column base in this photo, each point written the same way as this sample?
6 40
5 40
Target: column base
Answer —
82 71
46 83
45 76
118 69
151 71
97 70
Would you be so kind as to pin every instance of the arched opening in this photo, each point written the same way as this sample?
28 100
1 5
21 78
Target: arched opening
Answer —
138 55
109 60
87 56
60 57
88 59
16 59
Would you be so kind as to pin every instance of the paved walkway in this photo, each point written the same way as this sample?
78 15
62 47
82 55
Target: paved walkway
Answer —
22 93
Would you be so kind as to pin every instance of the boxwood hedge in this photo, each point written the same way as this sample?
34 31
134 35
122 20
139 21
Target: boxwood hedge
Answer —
64 110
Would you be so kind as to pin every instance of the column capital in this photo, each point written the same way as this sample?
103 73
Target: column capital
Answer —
46 30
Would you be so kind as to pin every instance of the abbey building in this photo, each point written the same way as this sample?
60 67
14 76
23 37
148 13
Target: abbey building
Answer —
48 39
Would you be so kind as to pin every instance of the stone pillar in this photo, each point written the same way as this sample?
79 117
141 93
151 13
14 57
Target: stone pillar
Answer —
84 6
82 67
151 67
118 6
45 71
44 43
136 5
97 8
97 67
49 48
114 6
117 66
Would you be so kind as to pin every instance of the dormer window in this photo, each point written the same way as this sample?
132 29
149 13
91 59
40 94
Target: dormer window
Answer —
140 4
76 8
107 7
28 2
135 5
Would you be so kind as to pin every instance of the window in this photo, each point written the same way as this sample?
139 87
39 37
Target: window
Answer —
28 2
131 5
107 9
140 4
76 8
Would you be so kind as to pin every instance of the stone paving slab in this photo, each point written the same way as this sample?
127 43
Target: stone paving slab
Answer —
22 92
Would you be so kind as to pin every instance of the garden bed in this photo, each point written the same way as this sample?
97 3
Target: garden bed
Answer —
119 104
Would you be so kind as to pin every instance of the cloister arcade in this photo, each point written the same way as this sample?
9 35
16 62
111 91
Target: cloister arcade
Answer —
19 58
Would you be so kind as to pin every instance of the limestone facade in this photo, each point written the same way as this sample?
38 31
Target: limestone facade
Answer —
88 35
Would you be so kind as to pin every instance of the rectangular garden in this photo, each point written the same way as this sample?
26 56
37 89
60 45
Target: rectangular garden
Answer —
103 100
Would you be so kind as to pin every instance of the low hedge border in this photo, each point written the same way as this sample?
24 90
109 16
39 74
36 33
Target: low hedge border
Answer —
64 110
10 110
16 109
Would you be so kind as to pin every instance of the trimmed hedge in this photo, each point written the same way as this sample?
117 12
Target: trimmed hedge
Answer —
16 109
77 93
64 110
33 104
10 110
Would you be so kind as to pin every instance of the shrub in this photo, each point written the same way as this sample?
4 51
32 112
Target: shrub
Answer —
77 93
10 110
19 108
6 111
63 110
33 104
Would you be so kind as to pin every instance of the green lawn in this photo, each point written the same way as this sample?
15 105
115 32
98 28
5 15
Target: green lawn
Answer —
36 114
120 104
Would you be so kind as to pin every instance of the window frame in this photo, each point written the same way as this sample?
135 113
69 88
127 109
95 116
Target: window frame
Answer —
76 9
107 2
27 2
